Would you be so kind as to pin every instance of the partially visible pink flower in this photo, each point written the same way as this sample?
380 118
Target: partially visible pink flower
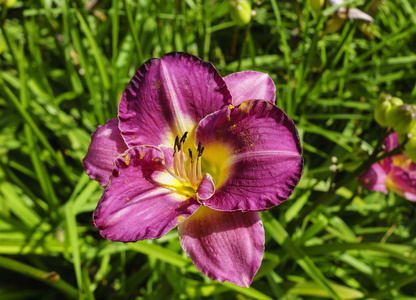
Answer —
198 151
351 12
396 173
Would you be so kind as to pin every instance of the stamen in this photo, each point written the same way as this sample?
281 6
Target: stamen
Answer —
192 172
177 145
199 168
190 161
194 180
171 173
175 163
182 171
181 167
175 158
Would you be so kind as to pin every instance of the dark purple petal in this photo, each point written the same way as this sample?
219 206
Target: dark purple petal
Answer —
106 144
265 163
374 178
224 245
402 182
169 96
142 201
249 85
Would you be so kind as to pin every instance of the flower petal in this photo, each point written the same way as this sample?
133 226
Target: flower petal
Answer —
169 96
224 245
142 200
356 14
391 142
106 144
402 182
336 2
206 188
374 178
249 85
265 164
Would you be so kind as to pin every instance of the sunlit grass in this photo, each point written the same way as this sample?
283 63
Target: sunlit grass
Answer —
64 65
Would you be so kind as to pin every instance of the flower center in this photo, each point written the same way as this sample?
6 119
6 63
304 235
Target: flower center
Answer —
186 168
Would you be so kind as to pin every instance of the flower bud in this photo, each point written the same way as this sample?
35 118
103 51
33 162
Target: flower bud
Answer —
317 5
384 105
8 3
402 118
410 147
240 11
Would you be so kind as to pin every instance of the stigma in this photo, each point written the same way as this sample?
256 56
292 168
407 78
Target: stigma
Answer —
186 164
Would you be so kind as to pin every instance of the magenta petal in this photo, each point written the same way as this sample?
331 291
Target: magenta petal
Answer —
402 182
391 142
141 201
265 164
374 178
224 245
169 96
249 85
106 144
206 188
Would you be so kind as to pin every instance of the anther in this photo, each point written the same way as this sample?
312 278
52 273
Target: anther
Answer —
177 145
183 138
190 153
201 151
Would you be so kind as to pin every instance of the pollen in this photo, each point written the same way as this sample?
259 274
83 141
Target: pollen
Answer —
127 160
180 219
246 106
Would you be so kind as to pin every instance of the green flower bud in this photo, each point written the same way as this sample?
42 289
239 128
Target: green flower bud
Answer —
240 11
317 5
8 3
410 147
402 118
384 105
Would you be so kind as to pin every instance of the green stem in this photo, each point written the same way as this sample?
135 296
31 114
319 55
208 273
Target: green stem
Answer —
134 34
52 278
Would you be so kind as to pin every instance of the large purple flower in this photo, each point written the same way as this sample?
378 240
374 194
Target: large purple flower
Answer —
190 151
397 173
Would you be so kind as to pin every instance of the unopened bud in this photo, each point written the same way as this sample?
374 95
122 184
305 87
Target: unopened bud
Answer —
8 3
410 146
402 118
384 105
240 11
317 5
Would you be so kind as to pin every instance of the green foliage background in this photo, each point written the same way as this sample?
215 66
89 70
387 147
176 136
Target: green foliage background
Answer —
63 67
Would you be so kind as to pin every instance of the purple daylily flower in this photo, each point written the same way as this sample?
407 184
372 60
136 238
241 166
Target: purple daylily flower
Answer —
190 151
397 173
